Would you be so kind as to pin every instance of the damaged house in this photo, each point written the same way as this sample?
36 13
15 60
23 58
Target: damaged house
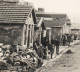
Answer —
59 23
16 23
39 29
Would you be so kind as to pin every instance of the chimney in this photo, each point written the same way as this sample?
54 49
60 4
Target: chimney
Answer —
41 10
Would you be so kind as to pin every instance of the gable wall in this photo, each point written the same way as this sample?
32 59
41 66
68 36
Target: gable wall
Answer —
28 31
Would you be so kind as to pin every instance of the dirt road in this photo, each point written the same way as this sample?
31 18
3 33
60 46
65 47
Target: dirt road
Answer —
66 63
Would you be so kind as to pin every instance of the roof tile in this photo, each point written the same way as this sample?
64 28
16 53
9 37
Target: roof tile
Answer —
14 13
57 19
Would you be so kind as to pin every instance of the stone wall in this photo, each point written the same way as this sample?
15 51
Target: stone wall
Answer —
10 34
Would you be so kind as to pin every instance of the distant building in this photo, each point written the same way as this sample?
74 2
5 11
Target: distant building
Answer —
16 23
59 23
75 31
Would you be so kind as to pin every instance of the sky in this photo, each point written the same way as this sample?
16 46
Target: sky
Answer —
70 7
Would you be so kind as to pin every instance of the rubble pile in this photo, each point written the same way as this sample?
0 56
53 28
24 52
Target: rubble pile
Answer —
22 61
3 66
69 52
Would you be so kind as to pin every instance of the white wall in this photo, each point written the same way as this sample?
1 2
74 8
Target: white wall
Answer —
66 29
30 27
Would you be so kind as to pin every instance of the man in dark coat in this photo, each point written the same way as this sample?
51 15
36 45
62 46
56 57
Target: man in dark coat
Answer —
69 39
45 42
57 46
45 45
40 51
51 48
35 44
53 41
64 40
37 41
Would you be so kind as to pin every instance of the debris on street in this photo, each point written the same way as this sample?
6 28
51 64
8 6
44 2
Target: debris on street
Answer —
69 52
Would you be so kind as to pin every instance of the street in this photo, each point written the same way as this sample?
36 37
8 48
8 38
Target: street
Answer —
39 36
66 63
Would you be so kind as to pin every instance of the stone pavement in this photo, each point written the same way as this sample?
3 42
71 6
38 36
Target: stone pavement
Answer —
61 49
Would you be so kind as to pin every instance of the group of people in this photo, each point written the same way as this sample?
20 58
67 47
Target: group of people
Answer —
56 43
38 48
66 39
42 49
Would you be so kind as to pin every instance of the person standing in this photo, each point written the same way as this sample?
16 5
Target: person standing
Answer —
69 39
18 47
37 41
64 40
36 44
51 48
53 41
45 42
57 46
40 51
